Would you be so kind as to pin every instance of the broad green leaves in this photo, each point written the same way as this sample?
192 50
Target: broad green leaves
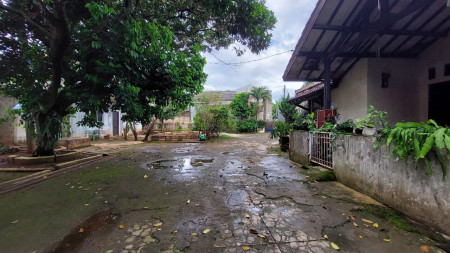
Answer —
420 140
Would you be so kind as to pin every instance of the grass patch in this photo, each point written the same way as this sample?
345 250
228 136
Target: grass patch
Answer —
224 136
390 215
318 174
277 150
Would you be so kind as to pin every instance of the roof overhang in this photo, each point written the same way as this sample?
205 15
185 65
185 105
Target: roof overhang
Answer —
348 30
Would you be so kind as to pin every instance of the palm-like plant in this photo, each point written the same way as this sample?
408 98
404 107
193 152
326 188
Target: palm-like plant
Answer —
261 93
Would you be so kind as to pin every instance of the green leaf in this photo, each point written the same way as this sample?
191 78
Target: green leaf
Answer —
447 142
427 146
432 122
416 148
439 135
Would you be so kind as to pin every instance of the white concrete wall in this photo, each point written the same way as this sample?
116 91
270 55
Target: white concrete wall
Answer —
406 97
437 55
80 131
400 98
351 96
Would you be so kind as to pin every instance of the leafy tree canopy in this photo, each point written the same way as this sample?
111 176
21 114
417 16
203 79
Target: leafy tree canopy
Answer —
242 107
126 55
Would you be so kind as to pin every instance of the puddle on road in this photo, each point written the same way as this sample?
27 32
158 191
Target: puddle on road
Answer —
183 164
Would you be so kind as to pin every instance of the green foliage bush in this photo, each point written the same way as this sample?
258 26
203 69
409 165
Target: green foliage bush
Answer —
241 108
421 140
261 123
247 126
281 129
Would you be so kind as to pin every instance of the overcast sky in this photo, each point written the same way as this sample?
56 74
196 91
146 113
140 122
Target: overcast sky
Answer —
292 16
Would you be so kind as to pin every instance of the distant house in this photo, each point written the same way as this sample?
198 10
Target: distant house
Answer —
186 118
394 55
13 132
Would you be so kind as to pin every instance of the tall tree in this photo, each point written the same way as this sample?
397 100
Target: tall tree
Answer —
261 93
100 55
241 108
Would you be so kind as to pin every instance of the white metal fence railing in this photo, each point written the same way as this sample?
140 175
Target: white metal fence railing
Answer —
320 150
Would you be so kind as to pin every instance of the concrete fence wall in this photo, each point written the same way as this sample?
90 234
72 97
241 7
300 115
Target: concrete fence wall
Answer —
402 185
298 147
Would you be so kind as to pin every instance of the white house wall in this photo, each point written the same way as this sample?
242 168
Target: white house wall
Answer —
405 98
351 96
80 131
436 56
400 98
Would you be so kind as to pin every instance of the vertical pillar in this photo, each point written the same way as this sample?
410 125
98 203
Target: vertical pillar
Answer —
327 83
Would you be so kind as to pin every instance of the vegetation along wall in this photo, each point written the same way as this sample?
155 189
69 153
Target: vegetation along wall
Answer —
401 185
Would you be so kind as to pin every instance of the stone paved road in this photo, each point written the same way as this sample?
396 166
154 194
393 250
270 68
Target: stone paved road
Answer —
167 195
251 200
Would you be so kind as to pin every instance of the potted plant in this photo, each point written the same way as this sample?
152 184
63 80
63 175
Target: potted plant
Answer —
369 123
281 131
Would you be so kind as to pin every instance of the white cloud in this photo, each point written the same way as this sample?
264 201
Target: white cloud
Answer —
292 17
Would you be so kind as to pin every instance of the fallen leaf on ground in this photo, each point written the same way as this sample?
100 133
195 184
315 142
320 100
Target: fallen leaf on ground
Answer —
159 229
197 205
360 237
387 240
343 214
194 234
206 218
81 230
252 231
145 176
72 187
375 225
245 248
13 222
354 224
206 231
175 231
85 189
325 236
98 189
188 201
86 204
121 226
262 236
334 245
145 207
324 197
368 221
80 187
353 217
325 207
246 215
159 224
44 177
425 248
166 193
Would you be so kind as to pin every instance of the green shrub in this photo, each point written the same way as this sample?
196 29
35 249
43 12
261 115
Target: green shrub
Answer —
247 126
281 129
261 123
418 139
344 127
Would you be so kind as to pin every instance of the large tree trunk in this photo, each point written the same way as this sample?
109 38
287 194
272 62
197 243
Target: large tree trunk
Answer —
150 129
48 128
125 132
133 130
29 128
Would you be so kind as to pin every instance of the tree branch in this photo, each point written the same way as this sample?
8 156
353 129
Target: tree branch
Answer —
27 18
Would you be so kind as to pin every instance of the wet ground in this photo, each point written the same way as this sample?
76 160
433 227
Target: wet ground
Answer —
229 195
